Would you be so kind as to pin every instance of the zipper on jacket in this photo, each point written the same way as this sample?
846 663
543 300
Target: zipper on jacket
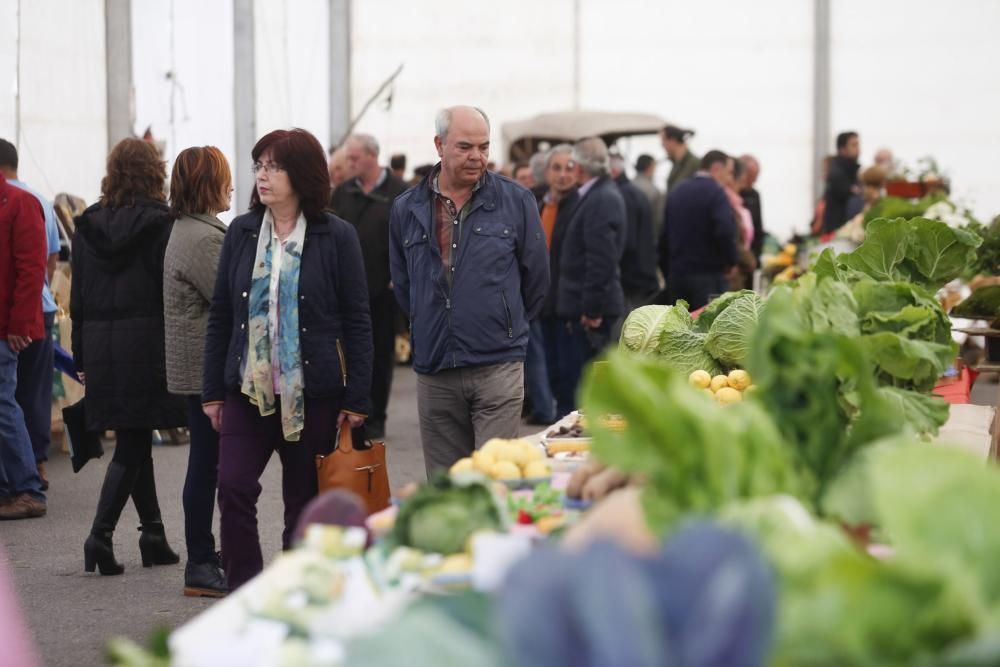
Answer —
506 308
343 362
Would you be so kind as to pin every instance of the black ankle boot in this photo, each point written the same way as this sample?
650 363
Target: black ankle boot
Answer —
205 580
98 551
154 547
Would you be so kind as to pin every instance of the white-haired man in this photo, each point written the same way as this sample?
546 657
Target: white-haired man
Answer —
365 201
469 267
589 297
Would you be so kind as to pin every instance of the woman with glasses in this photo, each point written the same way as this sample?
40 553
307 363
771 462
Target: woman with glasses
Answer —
200 188
288 355
116 305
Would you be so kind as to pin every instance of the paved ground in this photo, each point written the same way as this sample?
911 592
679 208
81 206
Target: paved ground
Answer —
72 614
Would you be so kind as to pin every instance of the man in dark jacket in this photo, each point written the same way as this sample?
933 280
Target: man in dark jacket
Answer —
22 274
841 182
365 201
467 255
638 263
697 244
589 297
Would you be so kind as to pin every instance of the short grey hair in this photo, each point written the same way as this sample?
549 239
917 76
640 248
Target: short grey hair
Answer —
538 162
367 141
592 154
558 149
442 121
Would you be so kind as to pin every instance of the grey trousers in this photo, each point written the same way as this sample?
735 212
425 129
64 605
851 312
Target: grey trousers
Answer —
462 408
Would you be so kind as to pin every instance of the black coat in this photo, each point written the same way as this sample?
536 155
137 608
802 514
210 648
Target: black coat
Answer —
638 264
841 184
589 254
333 312
116 306
751 200
369 213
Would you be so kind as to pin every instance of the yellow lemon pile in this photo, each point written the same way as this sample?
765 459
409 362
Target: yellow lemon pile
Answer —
502 459
725 389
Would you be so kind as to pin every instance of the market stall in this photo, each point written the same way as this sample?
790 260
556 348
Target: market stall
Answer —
801 431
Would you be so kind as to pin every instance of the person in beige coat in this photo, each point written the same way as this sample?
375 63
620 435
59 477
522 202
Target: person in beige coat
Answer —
200 188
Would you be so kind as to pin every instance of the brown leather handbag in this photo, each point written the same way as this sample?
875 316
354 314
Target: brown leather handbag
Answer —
359 470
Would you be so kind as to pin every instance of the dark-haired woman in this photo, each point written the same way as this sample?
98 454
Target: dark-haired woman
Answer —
288 356
116 306
200 188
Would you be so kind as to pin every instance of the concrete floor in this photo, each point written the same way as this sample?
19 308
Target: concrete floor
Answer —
72 614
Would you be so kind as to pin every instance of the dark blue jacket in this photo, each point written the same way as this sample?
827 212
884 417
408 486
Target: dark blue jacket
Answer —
638 265
335 327
501 273
589 275
699 233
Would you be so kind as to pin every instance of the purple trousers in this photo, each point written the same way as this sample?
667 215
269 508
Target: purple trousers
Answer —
246 443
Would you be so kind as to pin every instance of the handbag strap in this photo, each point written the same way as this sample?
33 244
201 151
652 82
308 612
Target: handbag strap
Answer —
345 441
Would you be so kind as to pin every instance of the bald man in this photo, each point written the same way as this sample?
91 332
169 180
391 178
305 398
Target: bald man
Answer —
470 267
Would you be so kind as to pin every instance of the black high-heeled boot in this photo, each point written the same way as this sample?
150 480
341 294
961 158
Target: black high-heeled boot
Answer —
98 550
153 545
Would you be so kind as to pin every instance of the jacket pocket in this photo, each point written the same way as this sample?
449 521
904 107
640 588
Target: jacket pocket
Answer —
343 362
507 316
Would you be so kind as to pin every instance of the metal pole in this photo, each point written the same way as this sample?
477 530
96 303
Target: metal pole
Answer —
340 70
576 55
821 91
244 100
118 65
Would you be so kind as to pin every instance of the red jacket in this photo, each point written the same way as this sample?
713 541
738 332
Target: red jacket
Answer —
23 255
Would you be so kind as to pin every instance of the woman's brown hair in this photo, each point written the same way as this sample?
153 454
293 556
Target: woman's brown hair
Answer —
135 171
200 181
301 155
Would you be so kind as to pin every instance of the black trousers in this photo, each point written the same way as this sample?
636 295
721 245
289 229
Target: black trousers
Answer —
383 313
34 390
200 483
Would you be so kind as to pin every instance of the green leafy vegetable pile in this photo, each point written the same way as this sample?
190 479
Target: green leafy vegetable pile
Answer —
442 514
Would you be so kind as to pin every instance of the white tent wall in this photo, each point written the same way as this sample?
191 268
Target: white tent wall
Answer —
293 65
63 139
921 78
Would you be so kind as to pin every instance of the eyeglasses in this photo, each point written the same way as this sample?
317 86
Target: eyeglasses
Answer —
270 167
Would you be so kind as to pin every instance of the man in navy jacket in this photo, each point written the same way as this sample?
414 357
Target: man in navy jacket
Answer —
589 297
469 266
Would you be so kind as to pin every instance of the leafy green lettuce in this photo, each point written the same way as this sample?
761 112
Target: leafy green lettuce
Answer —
685 351
642 329
728 338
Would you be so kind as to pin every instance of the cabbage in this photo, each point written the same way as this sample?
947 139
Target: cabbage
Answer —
685 351
643 327
728 338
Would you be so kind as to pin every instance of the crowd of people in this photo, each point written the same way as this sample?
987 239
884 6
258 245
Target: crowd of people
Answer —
271 334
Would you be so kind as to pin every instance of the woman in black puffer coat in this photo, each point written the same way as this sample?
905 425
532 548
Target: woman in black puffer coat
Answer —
117 311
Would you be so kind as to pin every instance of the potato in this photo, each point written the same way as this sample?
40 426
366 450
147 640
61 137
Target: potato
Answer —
603 483
719 382
536 469
532 452
493 446
580 476
462 465
483 461
505 470
739 379
700 379
728 395
752 389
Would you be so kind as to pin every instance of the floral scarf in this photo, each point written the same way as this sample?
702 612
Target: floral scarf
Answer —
259 378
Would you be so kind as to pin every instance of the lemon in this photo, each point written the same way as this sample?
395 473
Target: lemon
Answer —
739 379
700 379
728 395
536 469
483 461
462 465
718 382
493 446
505 470
752 389
708 392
